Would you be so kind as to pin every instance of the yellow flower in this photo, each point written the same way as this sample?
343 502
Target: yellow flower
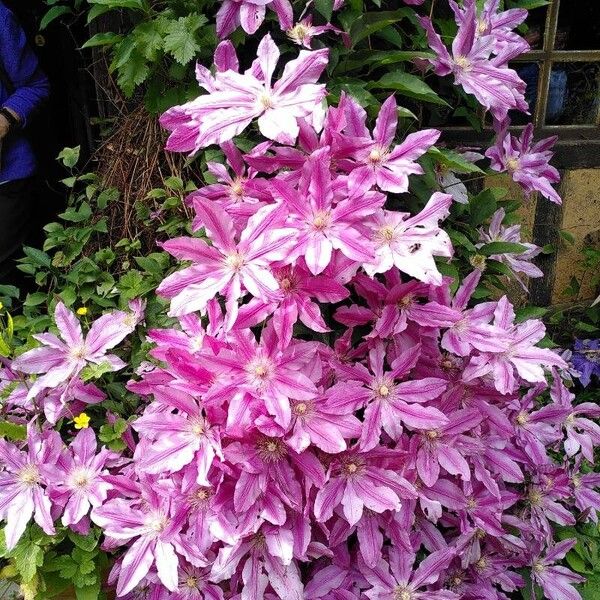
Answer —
82 311
82 421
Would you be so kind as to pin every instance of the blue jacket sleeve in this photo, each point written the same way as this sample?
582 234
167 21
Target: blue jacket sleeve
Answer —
21 65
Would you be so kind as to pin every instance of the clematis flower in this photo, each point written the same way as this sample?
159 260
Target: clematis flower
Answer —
516 262
521 355
59 360
410 243
155 525
526 162
404 581
379 163
357 483
264 372
493 24
322 224
557 581
237 99
389 404
79 483
496 87
303 32
228 266
24 481
250 14
177 438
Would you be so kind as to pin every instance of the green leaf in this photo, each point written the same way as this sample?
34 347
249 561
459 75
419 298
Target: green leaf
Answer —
69 156
37 257
454 161
133 73
502 248
530 312
577 563
90 592
103 39
54 13
408 85
181 40
591 588
12 431
568 237
85 542
325 8
94 371
115 4
482 207
28 556
370 22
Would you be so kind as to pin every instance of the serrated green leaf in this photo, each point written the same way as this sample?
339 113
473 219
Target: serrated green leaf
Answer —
12 431
181 39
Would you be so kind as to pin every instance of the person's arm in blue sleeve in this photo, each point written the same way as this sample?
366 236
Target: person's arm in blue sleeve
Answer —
31 86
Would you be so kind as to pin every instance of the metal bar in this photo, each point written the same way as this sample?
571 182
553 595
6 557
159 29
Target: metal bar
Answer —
546 66
560 56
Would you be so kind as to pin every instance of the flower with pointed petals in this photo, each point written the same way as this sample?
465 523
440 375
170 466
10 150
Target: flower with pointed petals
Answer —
23 483
250 14
526 162
377 162
399 579
238 99
516 262
411 243
496 87
60 360
557 581
522 355
586 359
79 483
230 267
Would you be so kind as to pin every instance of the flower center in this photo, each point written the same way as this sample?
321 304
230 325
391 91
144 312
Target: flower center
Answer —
352 468
322 220
463 62
299 32
539 567
535 498
157 523
402 593
386 234
471 503
271 449
481 26
376 155
237 188
260 370
570 419
198 427
191 582
405 301
576 479
432 434
29 475
482 564
78 352
265 100
512 164
301 408
80 478
235 261
522 418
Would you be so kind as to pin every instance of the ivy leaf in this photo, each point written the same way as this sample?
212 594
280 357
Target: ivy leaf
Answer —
180 40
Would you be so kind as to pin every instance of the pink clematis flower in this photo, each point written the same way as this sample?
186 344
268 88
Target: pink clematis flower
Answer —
380 163
521 355
410 243
493 24
516 262
250 14
24 481
177 438
557 581
79 476
264 372
237 99
152 521
496 87
60 360
405 581
357 482
327 216
228 266
526 162
390 404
